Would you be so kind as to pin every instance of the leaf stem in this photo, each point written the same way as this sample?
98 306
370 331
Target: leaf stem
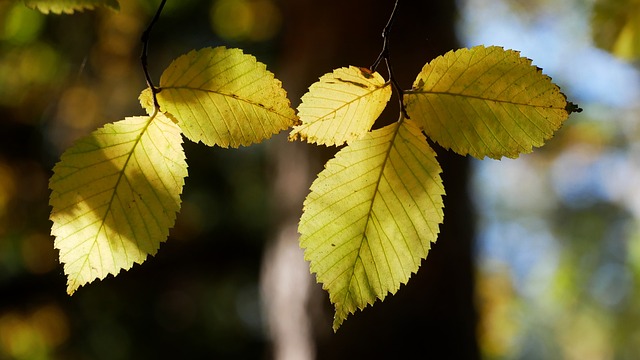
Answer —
385 55
143 58
385 38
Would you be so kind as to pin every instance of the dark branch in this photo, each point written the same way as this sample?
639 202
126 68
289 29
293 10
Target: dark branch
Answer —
385 55
145 48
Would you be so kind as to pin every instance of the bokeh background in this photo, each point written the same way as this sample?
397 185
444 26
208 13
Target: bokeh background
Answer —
539 257
558 236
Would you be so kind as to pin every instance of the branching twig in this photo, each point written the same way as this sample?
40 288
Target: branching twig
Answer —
385 55
145 48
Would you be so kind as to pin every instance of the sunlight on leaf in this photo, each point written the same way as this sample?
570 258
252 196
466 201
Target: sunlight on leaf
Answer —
146 101
223 97
486 101
69 6
371 216
115 195
342 106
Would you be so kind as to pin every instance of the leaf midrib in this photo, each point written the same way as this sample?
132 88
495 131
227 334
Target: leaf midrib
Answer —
335 110
387 155
268 108
477 97
115 189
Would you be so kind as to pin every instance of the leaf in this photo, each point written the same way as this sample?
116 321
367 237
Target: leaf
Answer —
371 216
486 102
342 106
115 195
69 6
223 97
146 101
616 27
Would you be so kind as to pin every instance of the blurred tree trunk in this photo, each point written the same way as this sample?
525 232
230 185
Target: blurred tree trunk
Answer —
434 314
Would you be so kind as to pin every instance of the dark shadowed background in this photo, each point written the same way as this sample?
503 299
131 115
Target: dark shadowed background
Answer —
546 267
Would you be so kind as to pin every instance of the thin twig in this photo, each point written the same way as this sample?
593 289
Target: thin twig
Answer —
145 48
385 55
385 38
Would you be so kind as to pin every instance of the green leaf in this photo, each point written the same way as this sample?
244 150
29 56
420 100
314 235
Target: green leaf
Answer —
371 216
486 101
616 27
69 6
115 194
223 97
342 106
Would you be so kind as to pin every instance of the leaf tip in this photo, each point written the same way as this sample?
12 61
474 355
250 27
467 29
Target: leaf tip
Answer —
71 288
572 107
339 317
336 324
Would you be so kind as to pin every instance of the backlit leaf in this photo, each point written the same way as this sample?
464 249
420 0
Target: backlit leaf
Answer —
146 101
69 6
342 106
223 97
115 194
486 101
371 216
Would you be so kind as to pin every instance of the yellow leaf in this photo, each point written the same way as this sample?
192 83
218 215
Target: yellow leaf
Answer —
342 106
69 6
146 101
371 216
486 101
223 97
115 194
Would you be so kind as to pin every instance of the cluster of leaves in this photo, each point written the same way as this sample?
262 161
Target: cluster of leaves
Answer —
371 214
116 192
